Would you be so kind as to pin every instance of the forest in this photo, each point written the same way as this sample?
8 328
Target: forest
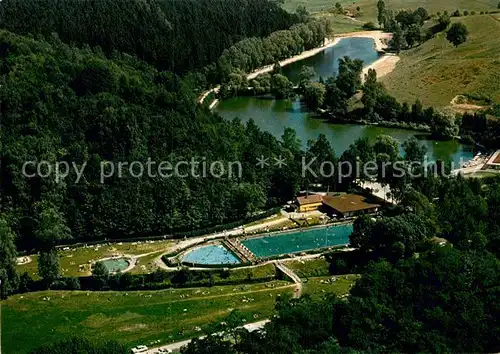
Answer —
75 105
173 35
120 83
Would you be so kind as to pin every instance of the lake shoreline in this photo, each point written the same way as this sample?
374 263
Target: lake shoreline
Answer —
384 124
385 64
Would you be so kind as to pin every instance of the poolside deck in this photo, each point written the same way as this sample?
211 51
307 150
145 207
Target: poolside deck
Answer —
240 250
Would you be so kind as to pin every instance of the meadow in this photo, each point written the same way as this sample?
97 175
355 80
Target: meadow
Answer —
310 268
368 8
137 317
319 287
72 259
144 317
436 71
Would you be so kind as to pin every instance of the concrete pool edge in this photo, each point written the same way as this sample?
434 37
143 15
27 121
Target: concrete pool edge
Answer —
175 260
295 230
214 242
131 260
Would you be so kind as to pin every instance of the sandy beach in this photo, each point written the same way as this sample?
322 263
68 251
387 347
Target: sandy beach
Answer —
308 53
383 65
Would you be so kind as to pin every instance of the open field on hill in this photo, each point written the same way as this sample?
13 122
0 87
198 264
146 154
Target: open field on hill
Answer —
340 23
143 317
133 318
369 7
436 71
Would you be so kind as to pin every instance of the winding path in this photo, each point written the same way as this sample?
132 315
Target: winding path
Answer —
296 279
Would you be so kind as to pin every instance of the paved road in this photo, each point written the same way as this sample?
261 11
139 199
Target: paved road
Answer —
178 345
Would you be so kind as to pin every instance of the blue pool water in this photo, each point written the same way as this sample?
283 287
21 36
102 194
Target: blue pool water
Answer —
292 242
116 264
211 254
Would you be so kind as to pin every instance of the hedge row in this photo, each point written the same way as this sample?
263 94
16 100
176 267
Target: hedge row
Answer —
158 280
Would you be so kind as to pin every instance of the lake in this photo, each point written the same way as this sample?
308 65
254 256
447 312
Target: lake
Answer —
275 115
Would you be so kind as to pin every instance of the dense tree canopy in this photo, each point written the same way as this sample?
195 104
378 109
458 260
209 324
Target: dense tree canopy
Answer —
8 274
178 35
131 112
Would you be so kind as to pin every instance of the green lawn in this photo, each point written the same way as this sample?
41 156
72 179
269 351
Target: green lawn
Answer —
310 268
269 218
143 317
147 263
436 72
482 174
341 24
129 317
71 260
339 285
259 272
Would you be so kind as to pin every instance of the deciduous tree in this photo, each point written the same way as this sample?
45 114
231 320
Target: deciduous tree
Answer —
457 34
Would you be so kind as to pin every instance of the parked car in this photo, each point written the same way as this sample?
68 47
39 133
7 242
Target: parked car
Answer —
139 349
164 351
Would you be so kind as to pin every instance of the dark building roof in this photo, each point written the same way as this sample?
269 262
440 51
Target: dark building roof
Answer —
348 202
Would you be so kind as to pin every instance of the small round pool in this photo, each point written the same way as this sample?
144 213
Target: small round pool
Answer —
114 265
211 254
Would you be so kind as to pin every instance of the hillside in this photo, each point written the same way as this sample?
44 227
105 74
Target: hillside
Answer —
87 108
436 72
369 7
176 35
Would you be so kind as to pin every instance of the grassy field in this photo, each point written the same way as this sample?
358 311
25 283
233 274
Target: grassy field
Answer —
369 7
147 263
310 268
482 174
72 259
130 317
318 287
436 71
341 24
263 271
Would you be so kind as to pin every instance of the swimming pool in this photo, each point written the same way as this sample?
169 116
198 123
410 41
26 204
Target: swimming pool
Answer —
211 254
114 265
299 241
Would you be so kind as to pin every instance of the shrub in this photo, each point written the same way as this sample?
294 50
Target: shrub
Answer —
370 26
58 285
25 283
72 283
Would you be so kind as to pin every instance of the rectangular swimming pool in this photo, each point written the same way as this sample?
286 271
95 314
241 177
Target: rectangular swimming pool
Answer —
299 241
